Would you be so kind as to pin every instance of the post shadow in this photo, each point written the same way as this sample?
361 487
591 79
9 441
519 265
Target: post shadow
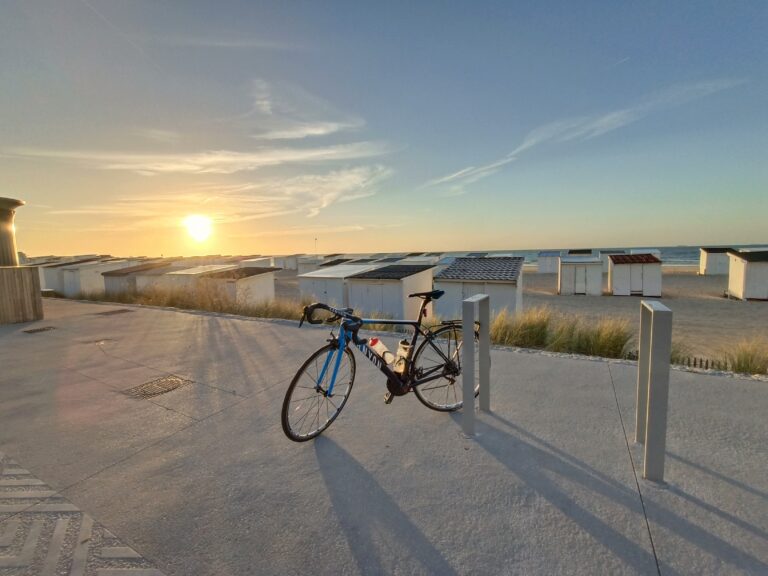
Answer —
503 445
379 534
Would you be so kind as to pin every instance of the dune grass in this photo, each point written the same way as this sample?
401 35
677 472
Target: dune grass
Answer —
544 329
748 357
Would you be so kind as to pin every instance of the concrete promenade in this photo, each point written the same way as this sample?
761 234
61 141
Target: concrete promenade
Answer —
201 480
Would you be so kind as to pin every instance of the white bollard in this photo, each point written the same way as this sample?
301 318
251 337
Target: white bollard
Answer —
653 386
468 359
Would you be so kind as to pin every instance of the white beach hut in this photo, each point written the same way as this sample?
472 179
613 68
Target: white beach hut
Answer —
243 286
580 275
605 256
498 276
748 274
187 278
86 278
385 290
308 264
52 275
290 262
123 280
151 278
634 275
548 261
329 283
713 261
258 262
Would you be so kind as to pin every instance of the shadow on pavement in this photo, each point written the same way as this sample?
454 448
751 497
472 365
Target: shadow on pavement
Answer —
376 529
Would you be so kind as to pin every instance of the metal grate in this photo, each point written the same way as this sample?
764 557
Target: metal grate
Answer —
113 312
42 329
156 387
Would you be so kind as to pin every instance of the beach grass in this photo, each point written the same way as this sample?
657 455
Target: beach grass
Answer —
748 357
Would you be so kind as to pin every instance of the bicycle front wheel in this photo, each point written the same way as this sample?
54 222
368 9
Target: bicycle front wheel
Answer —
308 408
440 357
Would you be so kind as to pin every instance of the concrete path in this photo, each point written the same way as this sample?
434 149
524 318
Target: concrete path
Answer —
201 480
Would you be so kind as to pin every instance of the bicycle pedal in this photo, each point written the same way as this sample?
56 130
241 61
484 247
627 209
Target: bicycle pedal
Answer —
388 397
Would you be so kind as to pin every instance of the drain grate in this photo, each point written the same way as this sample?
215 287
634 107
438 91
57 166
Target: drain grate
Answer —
156 387
42 329
113 312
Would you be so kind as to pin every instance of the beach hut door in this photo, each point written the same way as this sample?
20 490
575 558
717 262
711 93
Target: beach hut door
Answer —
580 280
636 279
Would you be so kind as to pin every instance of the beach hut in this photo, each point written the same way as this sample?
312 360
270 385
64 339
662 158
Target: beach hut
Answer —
654 251
151 278
499 277
579 252
123 280
335 262
748 274
308 264
634 275
242 286
187 278
605 256
385 290
259 262
52 275
548 261
580 275
713 261
329 284
86 278
290 262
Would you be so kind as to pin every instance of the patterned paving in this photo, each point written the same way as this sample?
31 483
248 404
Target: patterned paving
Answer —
43 534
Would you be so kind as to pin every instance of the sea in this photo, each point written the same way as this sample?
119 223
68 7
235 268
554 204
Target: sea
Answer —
670 255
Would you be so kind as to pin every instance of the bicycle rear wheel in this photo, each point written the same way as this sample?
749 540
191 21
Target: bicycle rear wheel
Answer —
307 407
445 393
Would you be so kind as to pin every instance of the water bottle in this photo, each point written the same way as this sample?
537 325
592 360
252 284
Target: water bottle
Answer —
403 348
381 349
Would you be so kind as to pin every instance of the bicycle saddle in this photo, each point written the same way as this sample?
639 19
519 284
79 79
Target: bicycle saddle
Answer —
431 295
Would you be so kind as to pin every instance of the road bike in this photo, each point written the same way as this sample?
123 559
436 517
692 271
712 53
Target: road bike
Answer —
429 365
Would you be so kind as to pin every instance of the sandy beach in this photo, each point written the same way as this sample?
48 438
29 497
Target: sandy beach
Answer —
705 322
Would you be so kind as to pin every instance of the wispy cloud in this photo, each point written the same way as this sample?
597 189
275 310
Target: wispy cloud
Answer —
207 162
301 130
157 135
587 127
306 194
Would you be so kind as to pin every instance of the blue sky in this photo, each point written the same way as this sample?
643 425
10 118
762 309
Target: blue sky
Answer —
383 126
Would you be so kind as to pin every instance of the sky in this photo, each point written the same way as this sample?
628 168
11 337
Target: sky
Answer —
383 126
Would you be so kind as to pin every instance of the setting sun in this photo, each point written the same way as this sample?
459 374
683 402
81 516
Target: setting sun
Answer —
199 227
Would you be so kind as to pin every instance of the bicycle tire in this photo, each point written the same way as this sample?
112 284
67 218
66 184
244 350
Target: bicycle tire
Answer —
303 407
431 393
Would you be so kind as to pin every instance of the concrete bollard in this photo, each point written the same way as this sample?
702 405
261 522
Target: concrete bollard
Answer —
653 386
482 303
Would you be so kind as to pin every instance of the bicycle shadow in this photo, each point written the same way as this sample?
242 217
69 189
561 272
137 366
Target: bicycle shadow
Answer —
506 447
375 527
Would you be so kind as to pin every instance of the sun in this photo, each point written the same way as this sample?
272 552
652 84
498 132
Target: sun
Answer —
199 227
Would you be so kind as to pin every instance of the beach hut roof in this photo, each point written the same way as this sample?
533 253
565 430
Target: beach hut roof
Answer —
332 255
394 272
491 269
163 270
238 273
341 271
390 259
634 259
138 268
546 253
715 249
580 251
201 269
412 254
607 252
751 256
581 260
362 261
434 253
335 262
72 263
477 255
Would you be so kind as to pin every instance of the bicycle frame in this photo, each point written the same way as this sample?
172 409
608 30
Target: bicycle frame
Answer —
346 336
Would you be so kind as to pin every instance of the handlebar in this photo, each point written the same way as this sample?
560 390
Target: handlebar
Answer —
351 322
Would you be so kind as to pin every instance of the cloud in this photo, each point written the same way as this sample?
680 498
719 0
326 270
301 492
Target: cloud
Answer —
262 97
157 135
306 194
587 127
207 162
300 130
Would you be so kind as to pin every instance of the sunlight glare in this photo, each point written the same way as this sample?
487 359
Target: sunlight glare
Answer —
199 227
